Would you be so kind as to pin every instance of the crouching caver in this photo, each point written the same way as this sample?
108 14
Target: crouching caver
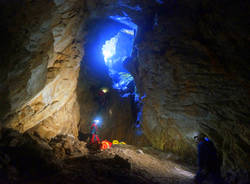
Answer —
208 162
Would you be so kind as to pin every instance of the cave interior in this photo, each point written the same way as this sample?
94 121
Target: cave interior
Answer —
152 75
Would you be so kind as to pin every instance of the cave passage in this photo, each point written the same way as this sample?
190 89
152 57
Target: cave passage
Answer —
117 51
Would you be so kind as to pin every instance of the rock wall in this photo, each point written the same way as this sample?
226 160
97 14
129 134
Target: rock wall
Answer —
41 69
194 69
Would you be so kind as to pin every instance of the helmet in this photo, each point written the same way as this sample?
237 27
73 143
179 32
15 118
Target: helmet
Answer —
200 137
96 121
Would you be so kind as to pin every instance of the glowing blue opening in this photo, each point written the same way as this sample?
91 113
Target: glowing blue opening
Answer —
109 49
115 51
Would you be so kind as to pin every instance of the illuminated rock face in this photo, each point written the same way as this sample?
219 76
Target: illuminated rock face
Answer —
193 70
43 72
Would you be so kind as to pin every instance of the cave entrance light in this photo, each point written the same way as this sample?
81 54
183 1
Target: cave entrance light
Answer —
109 50
116 51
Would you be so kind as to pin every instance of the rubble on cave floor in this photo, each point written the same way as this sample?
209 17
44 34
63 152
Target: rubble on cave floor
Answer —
124 162
65 159
155 168
120 164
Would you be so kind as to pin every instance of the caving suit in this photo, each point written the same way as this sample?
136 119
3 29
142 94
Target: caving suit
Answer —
94 136
208 162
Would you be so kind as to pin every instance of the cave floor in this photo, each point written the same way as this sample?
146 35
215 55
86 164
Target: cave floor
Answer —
123 164
153 165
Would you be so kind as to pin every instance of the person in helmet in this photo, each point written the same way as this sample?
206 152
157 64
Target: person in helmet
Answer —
102 96
208 162
93 131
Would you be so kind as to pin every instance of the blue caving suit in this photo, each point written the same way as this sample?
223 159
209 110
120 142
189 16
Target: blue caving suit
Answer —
208 162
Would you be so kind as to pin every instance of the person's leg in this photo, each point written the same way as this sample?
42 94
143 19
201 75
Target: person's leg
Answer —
97 138
93 138
200 176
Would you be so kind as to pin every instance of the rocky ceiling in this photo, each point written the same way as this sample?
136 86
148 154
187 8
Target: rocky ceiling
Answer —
192 64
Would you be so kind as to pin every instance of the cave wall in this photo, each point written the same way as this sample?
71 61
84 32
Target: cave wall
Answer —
41 64
194 69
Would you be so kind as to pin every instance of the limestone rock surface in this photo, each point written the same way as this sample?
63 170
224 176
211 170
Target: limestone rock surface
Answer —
39 86
194 68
